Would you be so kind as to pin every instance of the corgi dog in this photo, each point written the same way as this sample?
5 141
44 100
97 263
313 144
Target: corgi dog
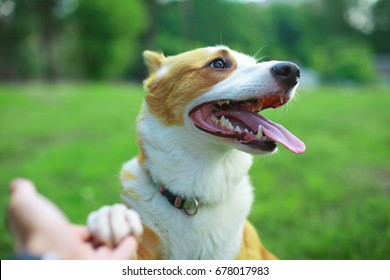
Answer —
188 193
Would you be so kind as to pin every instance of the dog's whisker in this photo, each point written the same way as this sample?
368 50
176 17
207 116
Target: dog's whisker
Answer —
258 52
262 58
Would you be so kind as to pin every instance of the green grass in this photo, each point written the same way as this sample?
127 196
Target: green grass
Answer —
333 202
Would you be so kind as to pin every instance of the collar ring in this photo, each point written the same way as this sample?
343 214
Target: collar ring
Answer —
191 206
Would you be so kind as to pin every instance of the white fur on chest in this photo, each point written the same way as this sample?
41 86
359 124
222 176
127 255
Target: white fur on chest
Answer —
215 232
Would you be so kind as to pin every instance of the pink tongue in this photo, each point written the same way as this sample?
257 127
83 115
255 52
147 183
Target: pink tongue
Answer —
272 130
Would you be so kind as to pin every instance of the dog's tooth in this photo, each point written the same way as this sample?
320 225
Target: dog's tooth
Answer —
281 99
229 125
237 129
222 121
246 130
215 119
226 123
223 102
259 132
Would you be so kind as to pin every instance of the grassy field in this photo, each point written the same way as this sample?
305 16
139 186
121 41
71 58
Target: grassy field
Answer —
333 202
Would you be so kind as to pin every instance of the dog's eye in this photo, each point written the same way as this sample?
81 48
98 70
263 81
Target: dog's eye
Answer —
218 63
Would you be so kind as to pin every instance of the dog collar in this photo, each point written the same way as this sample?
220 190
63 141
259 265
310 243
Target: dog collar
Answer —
189 205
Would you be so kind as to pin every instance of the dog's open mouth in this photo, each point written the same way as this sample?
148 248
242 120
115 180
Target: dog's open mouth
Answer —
240 120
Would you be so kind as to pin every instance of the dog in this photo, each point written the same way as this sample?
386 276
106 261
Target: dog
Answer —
198 129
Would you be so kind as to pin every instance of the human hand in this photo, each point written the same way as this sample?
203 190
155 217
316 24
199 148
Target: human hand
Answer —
40 227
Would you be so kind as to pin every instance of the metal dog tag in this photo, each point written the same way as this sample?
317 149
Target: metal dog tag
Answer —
191 206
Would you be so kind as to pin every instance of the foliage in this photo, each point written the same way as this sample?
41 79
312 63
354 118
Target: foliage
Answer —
381 33
329 203
47 39
307 34
78 39
108 35
20 44
340 60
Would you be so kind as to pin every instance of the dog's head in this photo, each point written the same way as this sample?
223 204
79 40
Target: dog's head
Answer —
217 93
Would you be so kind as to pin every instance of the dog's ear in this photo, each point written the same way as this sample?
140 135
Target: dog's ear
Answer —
153 60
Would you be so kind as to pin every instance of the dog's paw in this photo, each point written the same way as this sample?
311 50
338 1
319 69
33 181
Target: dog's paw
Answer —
111 224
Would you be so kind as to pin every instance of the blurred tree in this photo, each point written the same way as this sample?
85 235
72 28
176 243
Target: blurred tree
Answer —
30 26
234 24
50 26
150 32
342 60
340 52
98 39
169 34
17 30
109 35
381 33
188 24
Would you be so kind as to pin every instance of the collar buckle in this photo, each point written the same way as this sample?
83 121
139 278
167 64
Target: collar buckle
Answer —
189 205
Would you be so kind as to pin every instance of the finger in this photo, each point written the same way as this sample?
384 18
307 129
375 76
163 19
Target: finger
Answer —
82 232
21 191
21 185
29 211
126 249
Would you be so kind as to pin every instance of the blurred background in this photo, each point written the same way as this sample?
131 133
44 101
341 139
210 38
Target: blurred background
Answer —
70 90
55 40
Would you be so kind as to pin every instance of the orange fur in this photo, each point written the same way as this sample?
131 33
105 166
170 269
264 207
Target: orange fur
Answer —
153 60
251 246
142 156
188 76
149 247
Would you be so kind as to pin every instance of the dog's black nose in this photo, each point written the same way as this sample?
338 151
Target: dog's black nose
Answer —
287 72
